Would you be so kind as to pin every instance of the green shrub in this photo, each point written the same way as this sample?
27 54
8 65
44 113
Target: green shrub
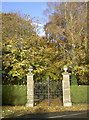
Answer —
17 94
14 94
73 80
79 93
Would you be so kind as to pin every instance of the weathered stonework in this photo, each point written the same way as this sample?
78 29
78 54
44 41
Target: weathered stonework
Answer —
30 90
66 89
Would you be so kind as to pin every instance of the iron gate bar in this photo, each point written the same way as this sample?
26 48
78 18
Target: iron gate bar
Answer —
48 91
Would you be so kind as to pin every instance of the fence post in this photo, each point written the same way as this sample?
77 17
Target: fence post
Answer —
30 90
66 89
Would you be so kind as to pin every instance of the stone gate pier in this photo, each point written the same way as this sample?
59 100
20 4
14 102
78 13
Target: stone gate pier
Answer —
66 88
30 89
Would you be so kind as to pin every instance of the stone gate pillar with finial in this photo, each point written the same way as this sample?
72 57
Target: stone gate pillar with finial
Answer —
30 89
66 88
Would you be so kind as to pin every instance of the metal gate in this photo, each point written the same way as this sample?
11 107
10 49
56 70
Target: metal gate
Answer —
48 93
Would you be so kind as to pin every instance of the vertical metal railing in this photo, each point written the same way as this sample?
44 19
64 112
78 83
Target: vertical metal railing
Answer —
48 91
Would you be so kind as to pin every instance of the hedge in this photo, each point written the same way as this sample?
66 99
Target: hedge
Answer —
79 93
14 94
17 94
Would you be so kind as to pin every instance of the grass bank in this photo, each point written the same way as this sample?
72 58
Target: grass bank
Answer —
14 111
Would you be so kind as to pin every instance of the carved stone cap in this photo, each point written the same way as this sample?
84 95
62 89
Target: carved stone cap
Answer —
30 71
66 73
30 74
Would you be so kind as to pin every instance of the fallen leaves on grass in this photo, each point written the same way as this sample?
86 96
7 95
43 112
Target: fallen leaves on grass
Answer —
12 111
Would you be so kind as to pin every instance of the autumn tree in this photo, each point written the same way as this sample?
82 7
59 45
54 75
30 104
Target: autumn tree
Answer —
68 26
44 59
16 33
22 48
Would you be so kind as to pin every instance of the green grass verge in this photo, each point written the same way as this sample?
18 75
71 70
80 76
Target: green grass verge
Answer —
13 111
